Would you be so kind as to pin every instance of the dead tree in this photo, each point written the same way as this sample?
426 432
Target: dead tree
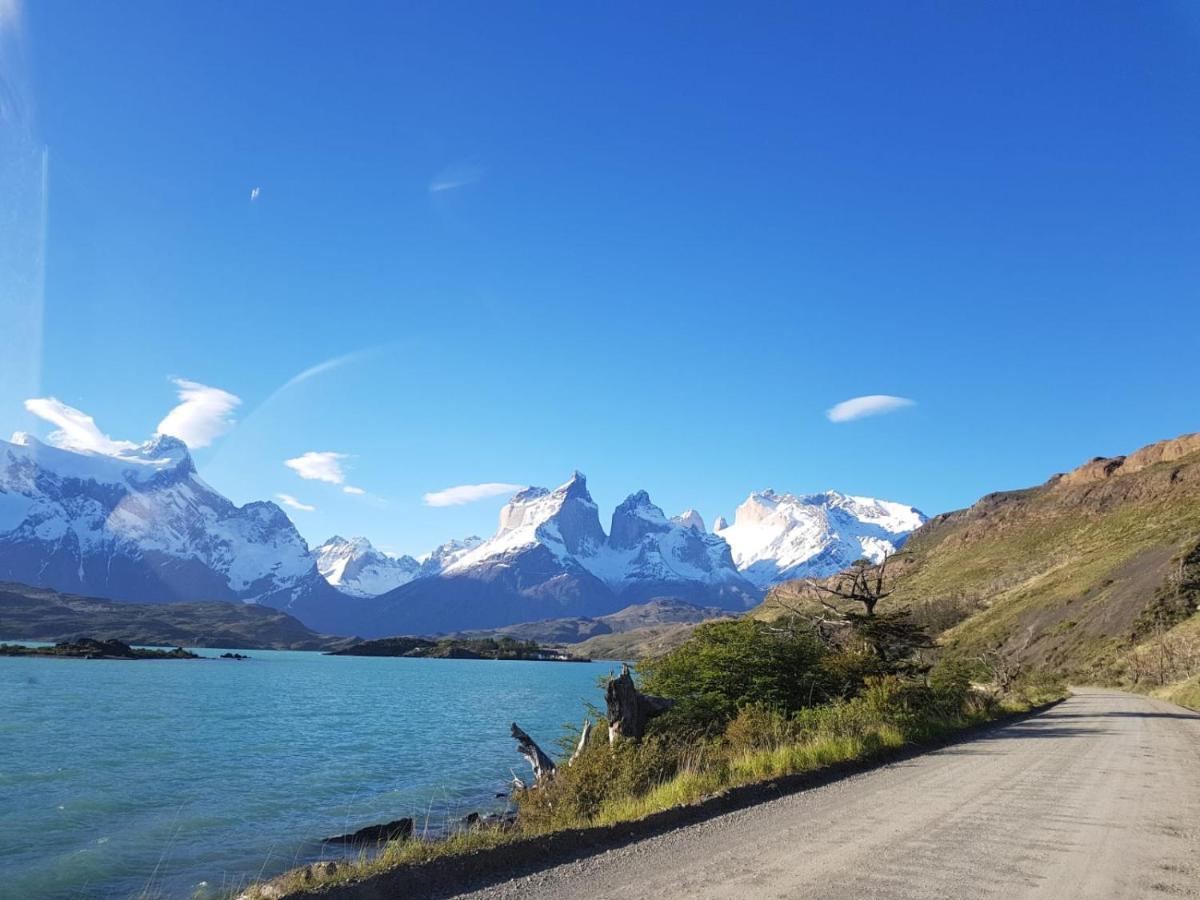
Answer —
542 765
584 734
628 709
861 583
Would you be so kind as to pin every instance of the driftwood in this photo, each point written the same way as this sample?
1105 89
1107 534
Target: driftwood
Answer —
584 734
629 710
543 765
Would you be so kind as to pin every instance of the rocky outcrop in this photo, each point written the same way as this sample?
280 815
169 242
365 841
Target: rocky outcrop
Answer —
398 830
1102 468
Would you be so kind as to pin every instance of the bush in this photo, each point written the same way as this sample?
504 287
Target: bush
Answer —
951 679
601 774
757 727
1039 686
730 664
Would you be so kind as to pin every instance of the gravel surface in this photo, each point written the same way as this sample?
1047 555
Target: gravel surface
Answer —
1097 797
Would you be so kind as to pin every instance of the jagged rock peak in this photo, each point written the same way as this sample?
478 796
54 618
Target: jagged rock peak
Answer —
689 518
634 518
575 487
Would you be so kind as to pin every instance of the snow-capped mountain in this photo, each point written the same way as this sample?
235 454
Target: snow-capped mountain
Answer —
141 525
445 555
564 521
357 568
775 537
551 557
648 555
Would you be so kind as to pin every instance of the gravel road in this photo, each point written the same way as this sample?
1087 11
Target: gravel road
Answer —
1097 797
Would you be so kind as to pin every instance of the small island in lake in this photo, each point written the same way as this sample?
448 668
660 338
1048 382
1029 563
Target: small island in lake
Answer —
90 648
458 648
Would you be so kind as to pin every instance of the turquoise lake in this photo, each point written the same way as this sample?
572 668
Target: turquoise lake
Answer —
180 778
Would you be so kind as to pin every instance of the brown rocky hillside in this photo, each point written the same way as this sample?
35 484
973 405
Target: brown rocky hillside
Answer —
1072 575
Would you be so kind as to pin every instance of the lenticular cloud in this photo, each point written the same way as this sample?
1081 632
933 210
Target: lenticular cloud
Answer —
204 414
870 405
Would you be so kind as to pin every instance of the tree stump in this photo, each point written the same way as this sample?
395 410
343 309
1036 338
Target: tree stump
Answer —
629 710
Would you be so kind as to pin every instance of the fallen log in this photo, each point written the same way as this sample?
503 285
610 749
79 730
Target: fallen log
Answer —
628 709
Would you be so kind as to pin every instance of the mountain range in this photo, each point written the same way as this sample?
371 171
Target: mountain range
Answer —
141 525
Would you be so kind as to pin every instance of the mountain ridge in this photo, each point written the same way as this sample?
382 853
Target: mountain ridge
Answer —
1079 574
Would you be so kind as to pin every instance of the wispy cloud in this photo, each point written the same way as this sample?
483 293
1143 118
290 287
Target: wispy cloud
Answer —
870 405
454 177
76 429
10 14
328 366
292 503
351 489
254 192
319 466
469 493
204 414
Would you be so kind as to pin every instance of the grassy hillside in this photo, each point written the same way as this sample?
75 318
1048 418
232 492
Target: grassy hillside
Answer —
40 614
637 643
1072 575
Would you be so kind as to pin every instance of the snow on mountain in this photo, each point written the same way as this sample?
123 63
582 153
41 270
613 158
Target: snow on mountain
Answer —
550 557
140 524
775 537
355 567
689 518
649 555
446 555
565 521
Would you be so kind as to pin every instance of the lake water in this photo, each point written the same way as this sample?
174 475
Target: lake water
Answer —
173 778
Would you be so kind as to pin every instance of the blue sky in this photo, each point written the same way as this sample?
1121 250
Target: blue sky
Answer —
656 245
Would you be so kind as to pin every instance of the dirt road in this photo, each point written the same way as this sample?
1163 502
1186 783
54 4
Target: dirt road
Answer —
1097 797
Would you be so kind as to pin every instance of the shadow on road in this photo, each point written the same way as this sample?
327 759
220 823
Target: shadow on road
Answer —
1129 715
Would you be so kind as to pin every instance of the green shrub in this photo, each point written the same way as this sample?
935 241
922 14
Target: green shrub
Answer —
730 664
601 773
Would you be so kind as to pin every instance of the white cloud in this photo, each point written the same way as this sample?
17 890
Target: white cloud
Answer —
292 503
254 192
469 493
870 405
454 177
203 415
319 466
76 429
351 489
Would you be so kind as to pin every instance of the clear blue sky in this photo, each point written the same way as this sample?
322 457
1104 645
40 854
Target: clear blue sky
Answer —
652 242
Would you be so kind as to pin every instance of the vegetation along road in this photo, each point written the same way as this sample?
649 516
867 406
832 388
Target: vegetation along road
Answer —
1096 797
